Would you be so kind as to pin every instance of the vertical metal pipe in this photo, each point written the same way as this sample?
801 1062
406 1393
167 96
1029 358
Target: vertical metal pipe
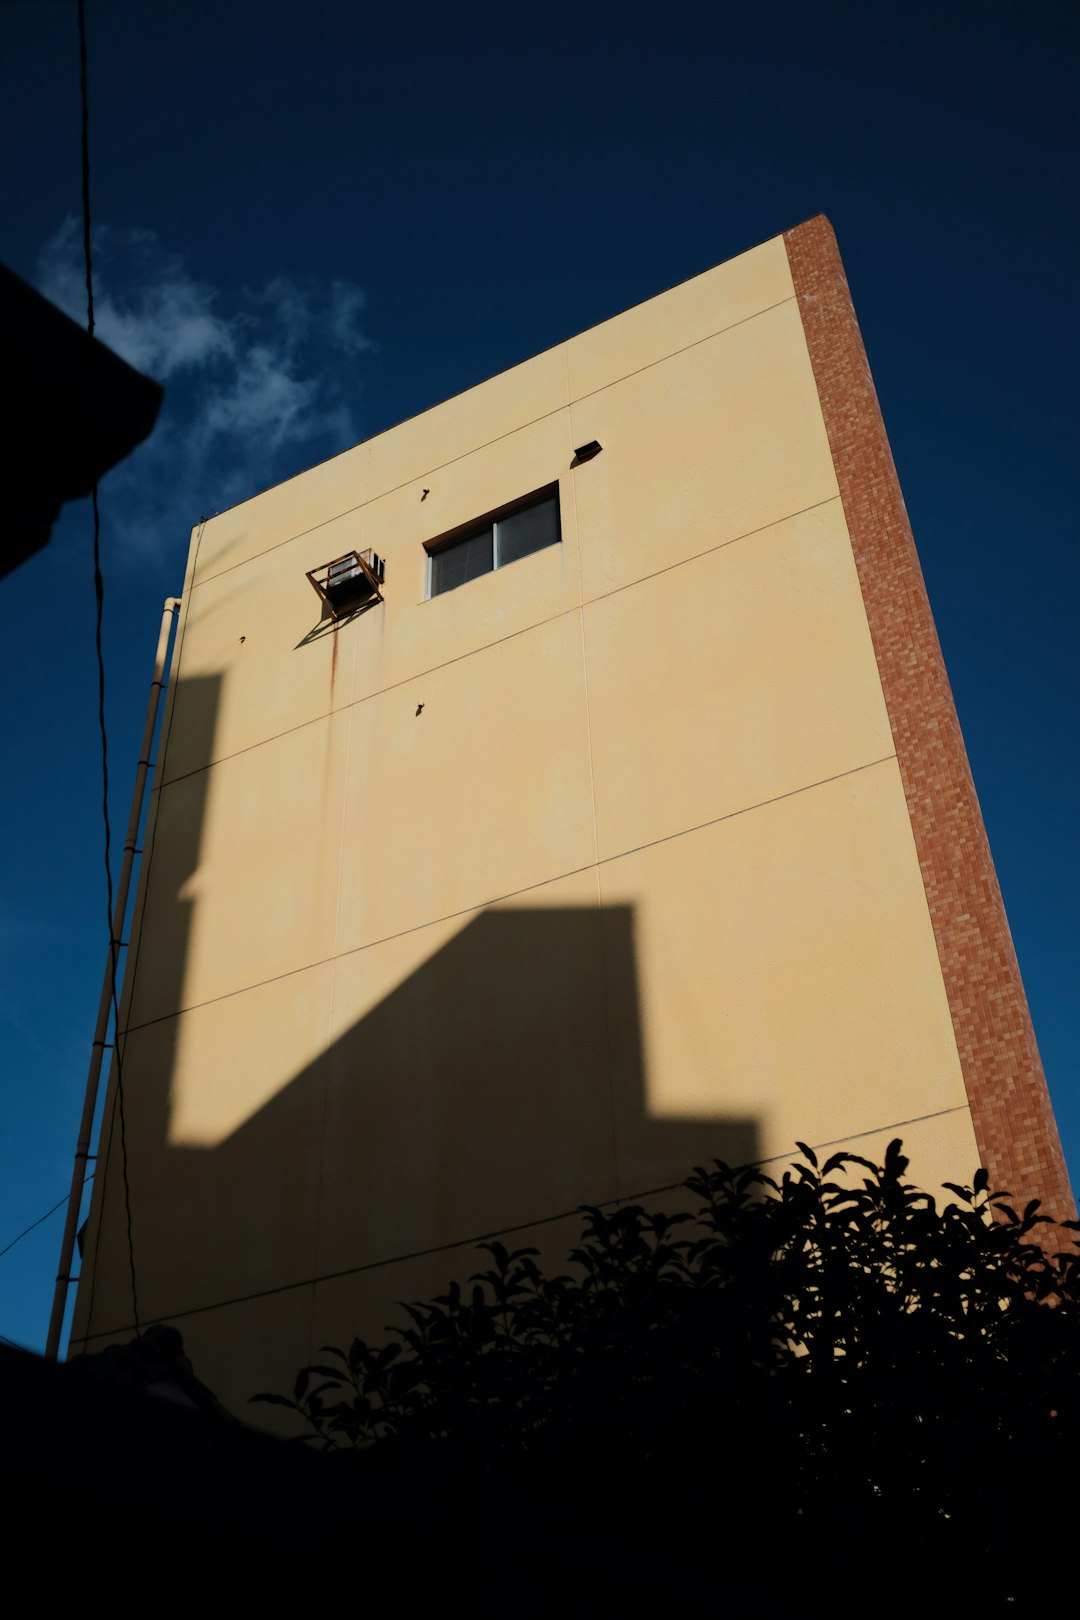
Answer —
82 1150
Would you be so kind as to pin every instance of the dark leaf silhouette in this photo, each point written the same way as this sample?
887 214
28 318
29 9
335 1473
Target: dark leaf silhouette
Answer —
824 1348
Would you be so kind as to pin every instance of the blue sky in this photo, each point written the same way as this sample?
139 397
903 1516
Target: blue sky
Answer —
314 221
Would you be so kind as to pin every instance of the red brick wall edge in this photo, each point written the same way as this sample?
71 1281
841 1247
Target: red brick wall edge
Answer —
1010 1106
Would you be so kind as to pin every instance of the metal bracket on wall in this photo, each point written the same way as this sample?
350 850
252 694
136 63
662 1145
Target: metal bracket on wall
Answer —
350 581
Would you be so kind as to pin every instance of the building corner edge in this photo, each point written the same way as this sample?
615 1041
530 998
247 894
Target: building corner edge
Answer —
1010 1104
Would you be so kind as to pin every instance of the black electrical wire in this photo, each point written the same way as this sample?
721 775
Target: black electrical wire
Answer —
99 597
28 1229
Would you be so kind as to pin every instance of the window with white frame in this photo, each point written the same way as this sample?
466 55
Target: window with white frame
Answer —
491 542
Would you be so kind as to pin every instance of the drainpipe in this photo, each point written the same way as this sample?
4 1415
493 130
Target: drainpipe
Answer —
82 1151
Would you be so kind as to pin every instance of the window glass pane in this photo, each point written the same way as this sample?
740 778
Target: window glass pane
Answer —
457 564
531 530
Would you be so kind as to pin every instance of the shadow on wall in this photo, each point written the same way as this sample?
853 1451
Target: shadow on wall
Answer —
500 1084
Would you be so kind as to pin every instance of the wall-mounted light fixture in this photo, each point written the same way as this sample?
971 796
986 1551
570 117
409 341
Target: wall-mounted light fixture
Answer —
351 581
585 452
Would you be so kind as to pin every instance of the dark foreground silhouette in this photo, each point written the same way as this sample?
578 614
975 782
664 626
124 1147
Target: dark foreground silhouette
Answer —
807 1393
810 1380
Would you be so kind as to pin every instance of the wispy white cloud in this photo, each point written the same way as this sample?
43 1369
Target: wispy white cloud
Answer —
159 318
264 396
346 304
258 381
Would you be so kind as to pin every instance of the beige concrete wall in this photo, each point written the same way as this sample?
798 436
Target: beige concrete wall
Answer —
636 888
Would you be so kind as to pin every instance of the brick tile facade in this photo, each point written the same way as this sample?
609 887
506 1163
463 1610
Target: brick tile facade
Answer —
1010 1106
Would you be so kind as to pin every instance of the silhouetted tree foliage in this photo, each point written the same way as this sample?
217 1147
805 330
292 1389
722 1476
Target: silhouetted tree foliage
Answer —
828 1367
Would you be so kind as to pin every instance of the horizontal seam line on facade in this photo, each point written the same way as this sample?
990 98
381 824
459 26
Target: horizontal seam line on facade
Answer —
761 804
650 365
433 669
503 1231
429 472
560 343
512 894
